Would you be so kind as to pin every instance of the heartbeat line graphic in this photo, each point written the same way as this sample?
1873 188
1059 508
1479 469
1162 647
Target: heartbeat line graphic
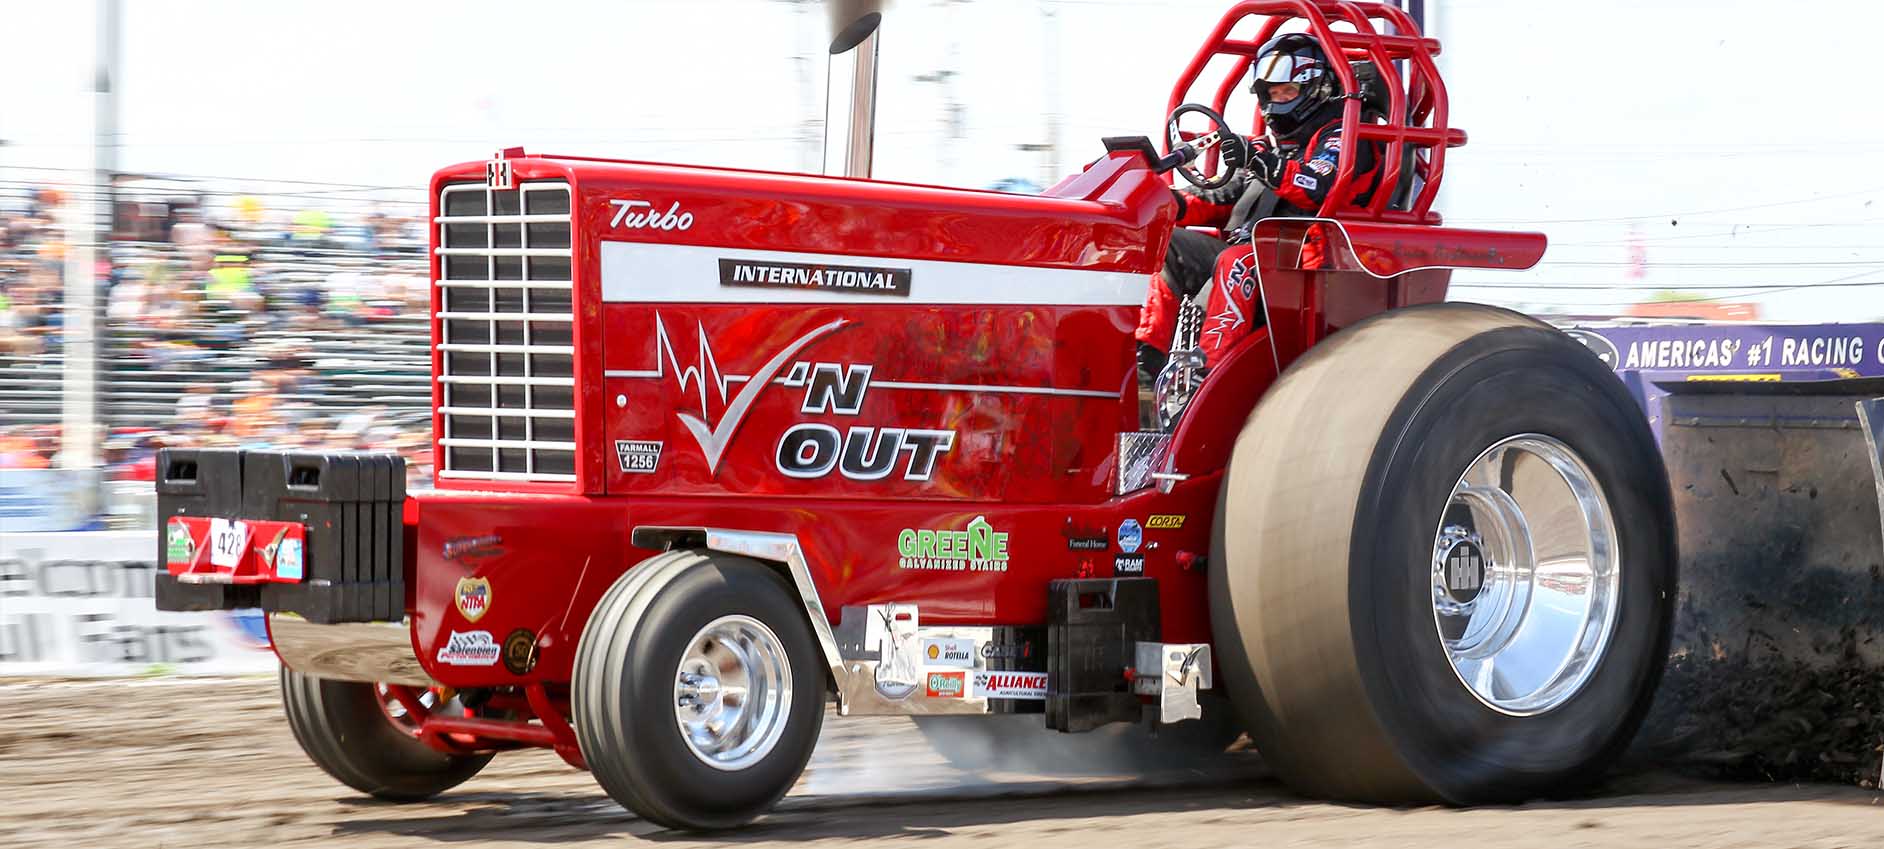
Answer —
704 364
706 370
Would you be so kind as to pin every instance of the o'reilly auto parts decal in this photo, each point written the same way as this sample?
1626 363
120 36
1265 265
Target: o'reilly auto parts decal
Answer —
862 280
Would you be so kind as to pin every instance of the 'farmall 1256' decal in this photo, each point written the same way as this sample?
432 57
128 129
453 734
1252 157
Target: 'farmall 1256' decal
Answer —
806 449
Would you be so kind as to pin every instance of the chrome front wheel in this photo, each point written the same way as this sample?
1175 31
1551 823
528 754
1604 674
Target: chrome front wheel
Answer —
731 692
698 689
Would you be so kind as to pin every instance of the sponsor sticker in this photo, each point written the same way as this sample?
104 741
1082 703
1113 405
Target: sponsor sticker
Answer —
472 548
1332 143
520 651
473 598
862 280
949 652
979 548
289 562
1011 685
469 648
947 685
1306 182
1130 536
1319 166
1086 543
1128 564
638 456
1010 651
178 546
1165 521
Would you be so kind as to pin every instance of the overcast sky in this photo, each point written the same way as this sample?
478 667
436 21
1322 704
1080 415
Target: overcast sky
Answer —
1724 144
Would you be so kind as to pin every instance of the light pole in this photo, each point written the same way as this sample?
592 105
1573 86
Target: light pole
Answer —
88 228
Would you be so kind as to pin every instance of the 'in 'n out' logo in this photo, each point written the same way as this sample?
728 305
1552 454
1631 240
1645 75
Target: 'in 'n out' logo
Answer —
806 450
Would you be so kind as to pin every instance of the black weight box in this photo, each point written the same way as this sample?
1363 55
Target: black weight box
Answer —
1093 630
351 503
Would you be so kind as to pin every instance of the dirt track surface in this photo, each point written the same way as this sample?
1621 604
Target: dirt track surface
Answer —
210 763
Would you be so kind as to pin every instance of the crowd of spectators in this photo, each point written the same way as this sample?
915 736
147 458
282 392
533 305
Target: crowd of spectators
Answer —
231 288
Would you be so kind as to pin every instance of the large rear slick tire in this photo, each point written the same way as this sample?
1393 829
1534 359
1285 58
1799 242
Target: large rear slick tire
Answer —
1444 563
346 728
698 690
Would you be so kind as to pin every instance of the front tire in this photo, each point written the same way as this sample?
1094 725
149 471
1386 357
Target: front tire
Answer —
1447 563
699 690
345 727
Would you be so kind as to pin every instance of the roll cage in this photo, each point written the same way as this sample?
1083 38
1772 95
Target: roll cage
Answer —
1413 125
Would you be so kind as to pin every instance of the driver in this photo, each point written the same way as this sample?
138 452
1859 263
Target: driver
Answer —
1288 172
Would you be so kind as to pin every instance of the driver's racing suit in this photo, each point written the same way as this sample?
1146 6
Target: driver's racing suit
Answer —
1234 307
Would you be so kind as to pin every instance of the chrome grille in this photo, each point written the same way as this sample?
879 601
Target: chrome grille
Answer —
505 332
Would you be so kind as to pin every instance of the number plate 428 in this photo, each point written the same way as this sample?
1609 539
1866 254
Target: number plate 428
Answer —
228 541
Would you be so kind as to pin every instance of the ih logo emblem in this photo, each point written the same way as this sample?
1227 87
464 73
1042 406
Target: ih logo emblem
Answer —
497 174
474 598
1464 572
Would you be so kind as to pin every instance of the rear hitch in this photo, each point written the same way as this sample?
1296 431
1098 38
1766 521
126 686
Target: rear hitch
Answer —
1171 674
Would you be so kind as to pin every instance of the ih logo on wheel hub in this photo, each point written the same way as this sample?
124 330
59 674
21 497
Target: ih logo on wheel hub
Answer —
1464 570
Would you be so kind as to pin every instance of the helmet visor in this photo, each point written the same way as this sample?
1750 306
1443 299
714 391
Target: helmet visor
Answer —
1287 67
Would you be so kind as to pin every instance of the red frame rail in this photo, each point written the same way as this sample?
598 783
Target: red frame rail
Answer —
467 734
1417 108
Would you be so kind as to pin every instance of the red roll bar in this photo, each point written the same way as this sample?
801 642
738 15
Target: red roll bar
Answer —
1416 104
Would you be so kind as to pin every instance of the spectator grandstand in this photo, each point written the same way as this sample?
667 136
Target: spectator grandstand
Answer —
228 320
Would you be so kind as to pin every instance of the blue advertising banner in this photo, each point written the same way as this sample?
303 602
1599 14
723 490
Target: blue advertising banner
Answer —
1740 351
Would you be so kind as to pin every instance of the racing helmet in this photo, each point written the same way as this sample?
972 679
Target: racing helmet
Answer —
1294 58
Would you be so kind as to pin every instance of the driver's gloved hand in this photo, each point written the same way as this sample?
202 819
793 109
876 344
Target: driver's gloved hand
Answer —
1266 166
1234 151
1150 362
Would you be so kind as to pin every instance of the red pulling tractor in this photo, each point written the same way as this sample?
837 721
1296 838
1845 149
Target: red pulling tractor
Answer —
717 448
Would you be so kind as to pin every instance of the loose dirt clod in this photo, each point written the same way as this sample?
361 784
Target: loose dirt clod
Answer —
1769 720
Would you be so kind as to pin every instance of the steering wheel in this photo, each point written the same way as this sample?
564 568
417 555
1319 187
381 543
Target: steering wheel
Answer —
1220 134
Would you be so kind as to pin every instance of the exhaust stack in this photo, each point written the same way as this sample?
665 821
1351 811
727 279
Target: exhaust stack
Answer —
850 104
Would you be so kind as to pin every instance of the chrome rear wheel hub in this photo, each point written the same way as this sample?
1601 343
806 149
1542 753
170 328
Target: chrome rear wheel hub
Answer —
1525 575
